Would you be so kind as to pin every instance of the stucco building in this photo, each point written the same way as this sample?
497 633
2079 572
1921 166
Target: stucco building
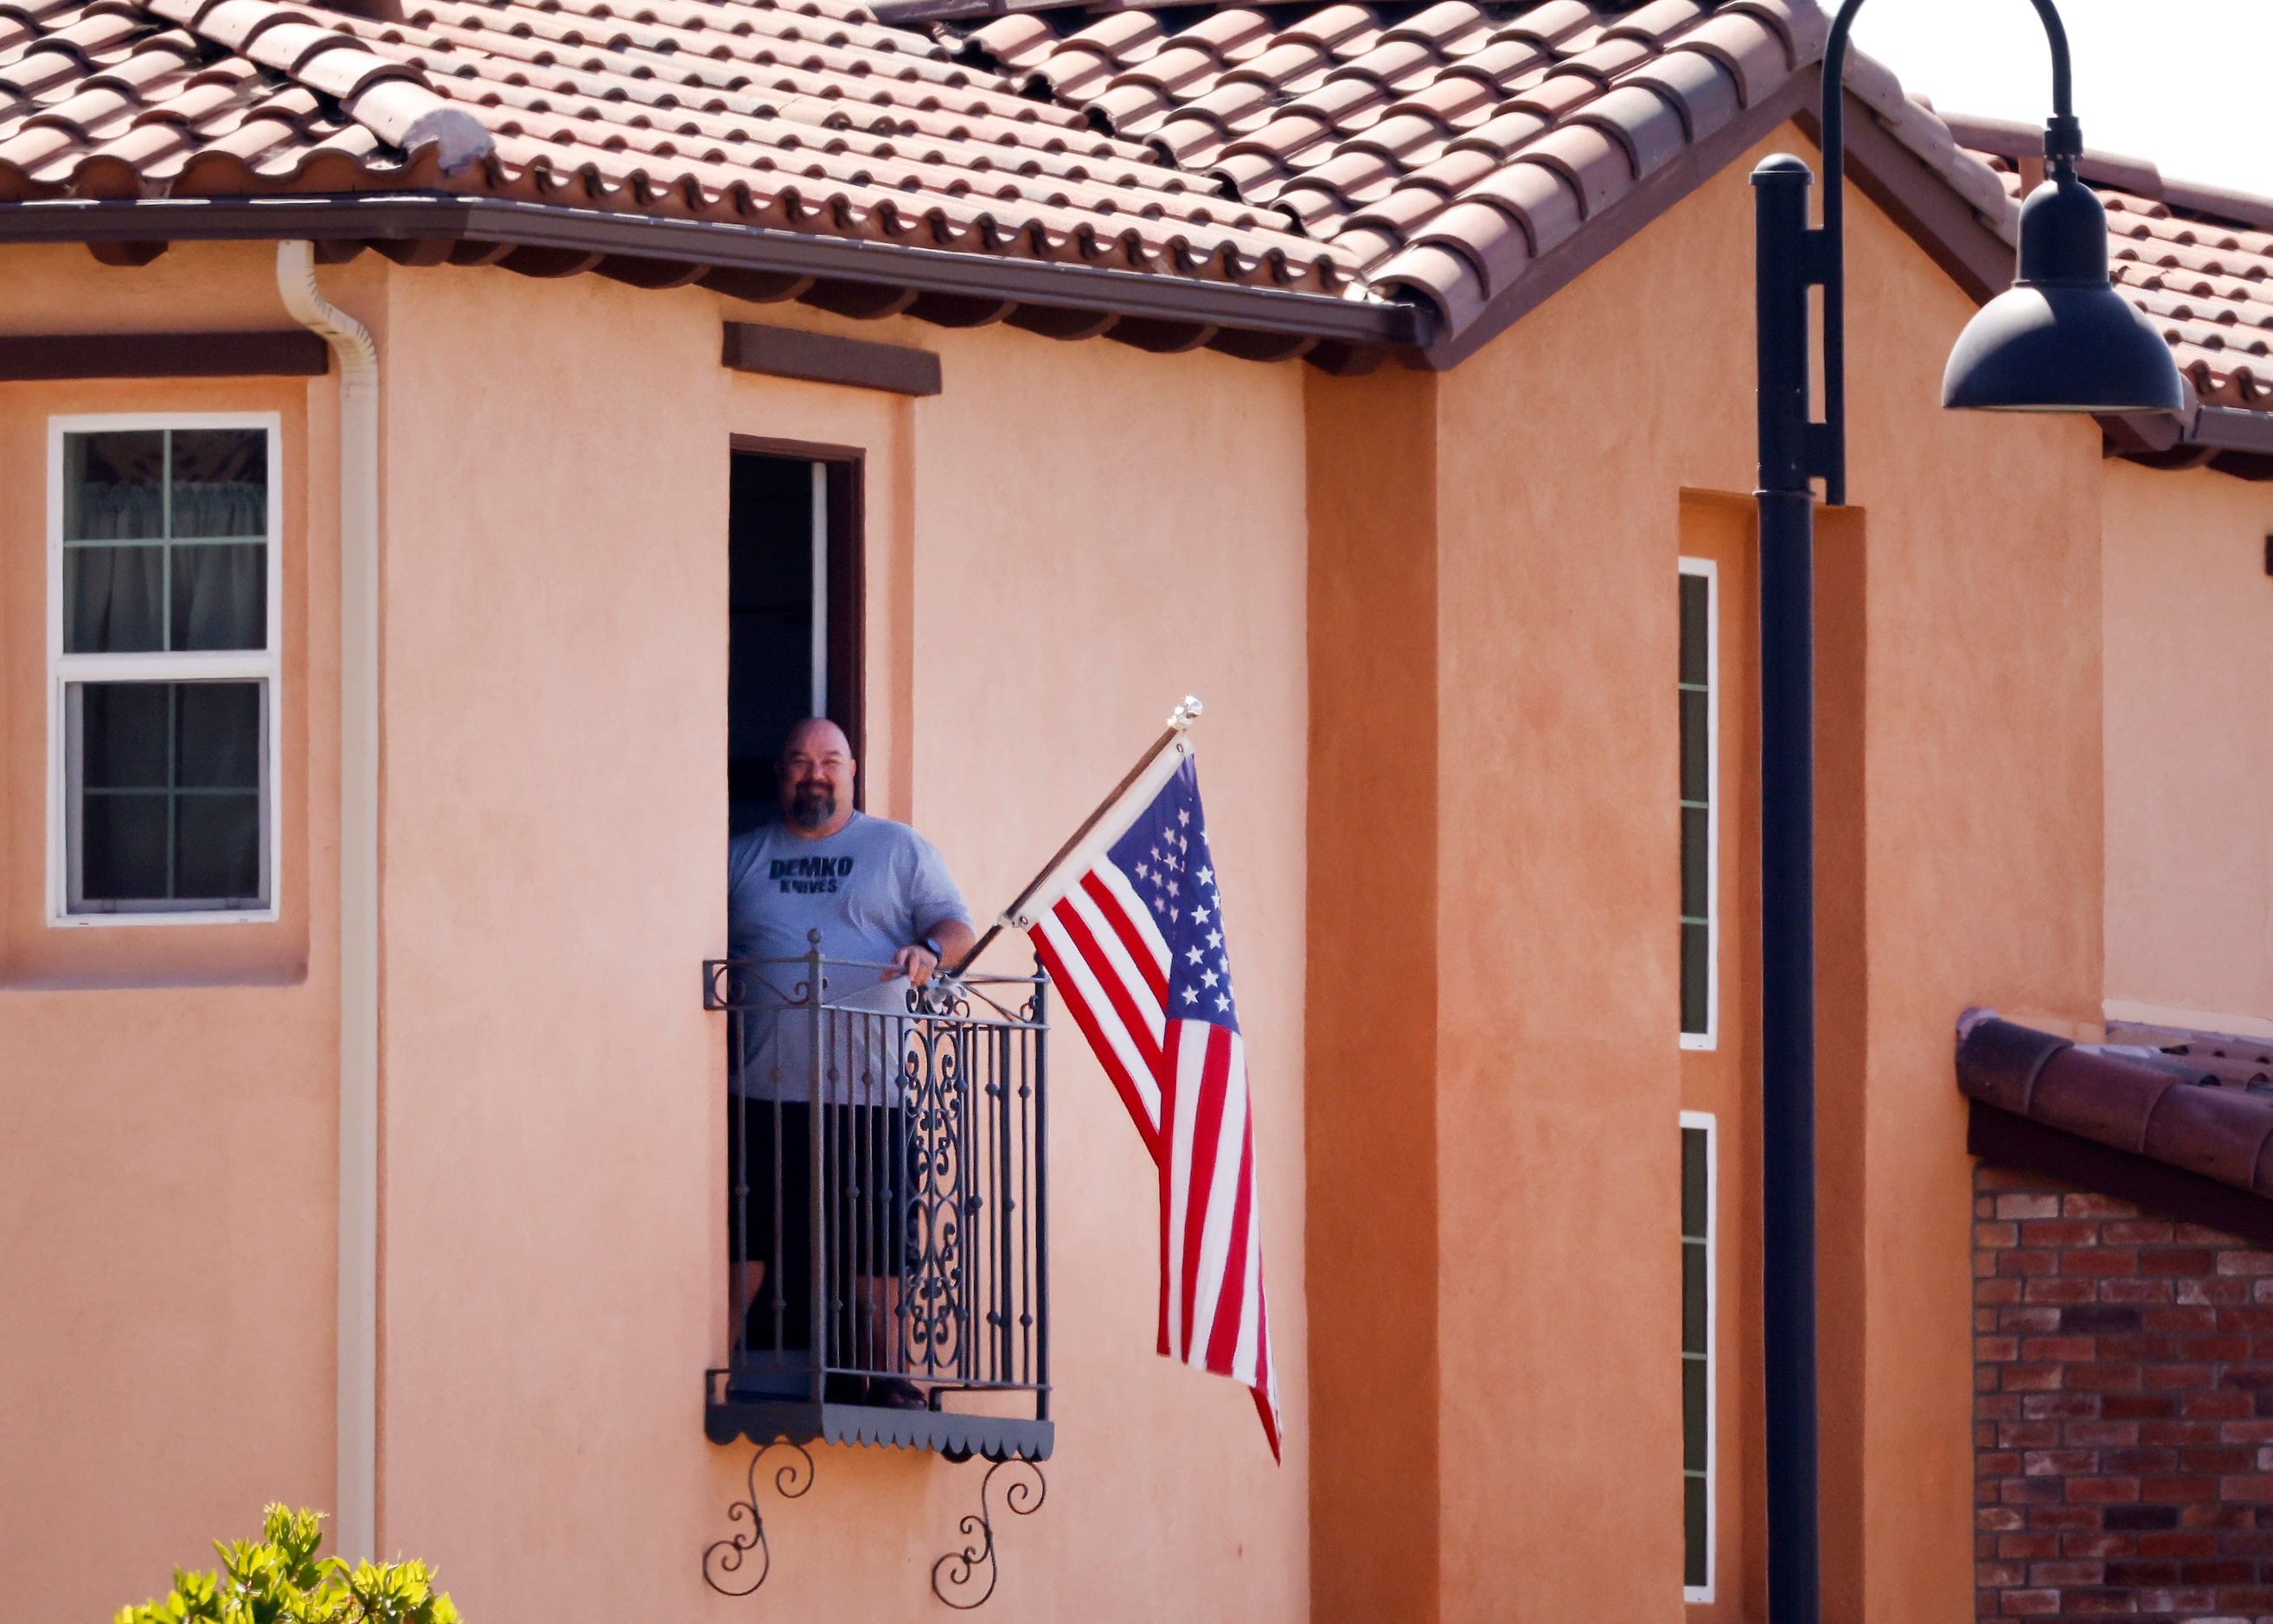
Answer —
446 441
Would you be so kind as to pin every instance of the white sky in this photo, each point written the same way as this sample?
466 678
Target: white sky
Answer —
2187 83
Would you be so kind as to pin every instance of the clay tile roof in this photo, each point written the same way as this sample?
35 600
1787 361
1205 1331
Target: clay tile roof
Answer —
2196 260
2197 1101
809 116
1442 149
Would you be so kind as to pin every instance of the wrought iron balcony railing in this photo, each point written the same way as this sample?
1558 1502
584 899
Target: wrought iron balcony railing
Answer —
887 1208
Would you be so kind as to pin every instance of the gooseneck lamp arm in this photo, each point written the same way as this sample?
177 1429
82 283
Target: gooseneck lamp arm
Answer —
2063 144
1795 451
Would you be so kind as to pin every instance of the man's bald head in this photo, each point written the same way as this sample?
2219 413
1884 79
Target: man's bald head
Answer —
815 769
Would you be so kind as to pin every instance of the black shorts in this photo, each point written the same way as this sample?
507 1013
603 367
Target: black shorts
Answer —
866 1180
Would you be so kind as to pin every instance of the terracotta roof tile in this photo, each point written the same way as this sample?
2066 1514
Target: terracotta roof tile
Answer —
2191 1100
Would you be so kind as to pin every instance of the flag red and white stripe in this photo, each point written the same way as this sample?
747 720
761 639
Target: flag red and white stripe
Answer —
1129 927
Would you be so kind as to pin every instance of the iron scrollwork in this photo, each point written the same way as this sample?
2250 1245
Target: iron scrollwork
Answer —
725 1557
956 1574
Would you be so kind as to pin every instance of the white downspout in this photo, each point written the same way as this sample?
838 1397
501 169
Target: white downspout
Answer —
354 1512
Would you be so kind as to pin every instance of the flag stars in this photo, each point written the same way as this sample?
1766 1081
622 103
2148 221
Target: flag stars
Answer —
1183 816
1208 977
1194 955
1206 875
1223 1003
1199 916
1215 938
1191 995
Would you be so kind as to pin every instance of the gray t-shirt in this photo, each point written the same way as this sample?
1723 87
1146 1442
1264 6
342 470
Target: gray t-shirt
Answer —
870 890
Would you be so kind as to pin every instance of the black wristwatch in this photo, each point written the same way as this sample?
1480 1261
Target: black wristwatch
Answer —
930 945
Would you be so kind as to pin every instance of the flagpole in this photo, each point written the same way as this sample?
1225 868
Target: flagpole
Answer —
1179 721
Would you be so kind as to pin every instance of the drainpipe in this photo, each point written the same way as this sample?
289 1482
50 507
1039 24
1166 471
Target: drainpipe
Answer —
356 1507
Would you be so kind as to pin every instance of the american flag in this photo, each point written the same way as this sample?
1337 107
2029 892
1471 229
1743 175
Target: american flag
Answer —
1130 929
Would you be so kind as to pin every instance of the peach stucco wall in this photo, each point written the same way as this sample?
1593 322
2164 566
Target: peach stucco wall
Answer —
1563 448
1058 548
2189 619
168 1125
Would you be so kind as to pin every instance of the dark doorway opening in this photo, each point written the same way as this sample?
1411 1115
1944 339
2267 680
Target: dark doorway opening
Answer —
793 528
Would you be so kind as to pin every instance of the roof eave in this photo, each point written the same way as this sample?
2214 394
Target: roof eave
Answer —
864 280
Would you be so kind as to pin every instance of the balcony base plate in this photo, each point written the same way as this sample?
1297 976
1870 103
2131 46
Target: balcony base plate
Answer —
958 1437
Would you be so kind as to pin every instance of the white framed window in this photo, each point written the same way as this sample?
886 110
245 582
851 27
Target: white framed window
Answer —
163 634
1700 803
1699 1305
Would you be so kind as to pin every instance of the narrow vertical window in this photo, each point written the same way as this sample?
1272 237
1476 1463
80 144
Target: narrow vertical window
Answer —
1696 1373
1699 989
164 658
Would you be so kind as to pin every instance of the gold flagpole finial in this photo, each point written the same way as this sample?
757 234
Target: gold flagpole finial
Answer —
1186 713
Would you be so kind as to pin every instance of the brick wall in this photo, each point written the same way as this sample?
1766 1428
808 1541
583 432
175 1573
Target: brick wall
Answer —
2123 1411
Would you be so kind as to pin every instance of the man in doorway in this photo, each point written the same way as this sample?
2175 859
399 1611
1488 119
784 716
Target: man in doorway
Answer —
879 894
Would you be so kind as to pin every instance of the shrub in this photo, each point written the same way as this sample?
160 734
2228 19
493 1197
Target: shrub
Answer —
278 1579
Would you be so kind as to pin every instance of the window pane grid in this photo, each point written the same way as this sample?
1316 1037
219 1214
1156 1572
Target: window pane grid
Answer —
166 669
1697 1357
1695 693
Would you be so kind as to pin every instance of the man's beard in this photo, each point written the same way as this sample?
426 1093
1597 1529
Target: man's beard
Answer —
811 805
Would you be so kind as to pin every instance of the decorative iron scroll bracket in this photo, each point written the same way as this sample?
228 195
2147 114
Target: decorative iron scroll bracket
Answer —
956 1574
725 1557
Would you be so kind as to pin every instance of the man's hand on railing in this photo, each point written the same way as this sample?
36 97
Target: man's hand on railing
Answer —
948 942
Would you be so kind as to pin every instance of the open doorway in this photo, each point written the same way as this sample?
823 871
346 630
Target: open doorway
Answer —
793 528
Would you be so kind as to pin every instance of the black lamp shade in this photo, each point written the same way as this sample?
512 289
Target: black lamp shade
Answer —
2061 339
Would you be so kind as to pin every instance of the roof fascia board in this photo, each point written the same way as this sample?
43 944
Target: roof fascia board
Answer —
2004 1140
1598 238
363 217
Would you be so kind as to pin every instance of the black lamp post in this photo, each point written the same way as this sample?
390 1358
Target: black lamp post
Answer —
2059 339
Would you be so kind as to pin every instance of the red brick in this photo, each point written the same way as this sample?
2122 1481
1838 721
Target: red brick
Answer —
2102 1491
1998 1290
2143 1292
2086 1406
2066 1519
2139 1462
2138 1406
2052 1288
2250 1488
2135 1576
2200 1235
2183 1433
1995 1407
2178 1544
2061 1233
2254 1599
1996 1235
2069 1350
2219 1573
2254 1321
2021 1322
2047 1573
2252 1262
2163 1378
2177 1490
2213 1292
2135 1350
2030 1604
2228 1519
2024 1260
1992 1349
2029 1547
2036 1378
2099 1262
2249 1378
2222 1350
1995 1464
1997 1575
2083 1435
2224 1462
2102 1378
2080 1205
2180 1321
2145 1233
2028 1206
2046 1463
1998 1519
2027 1491
1985 1207
2223 1406
2243 1432
2177 1260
